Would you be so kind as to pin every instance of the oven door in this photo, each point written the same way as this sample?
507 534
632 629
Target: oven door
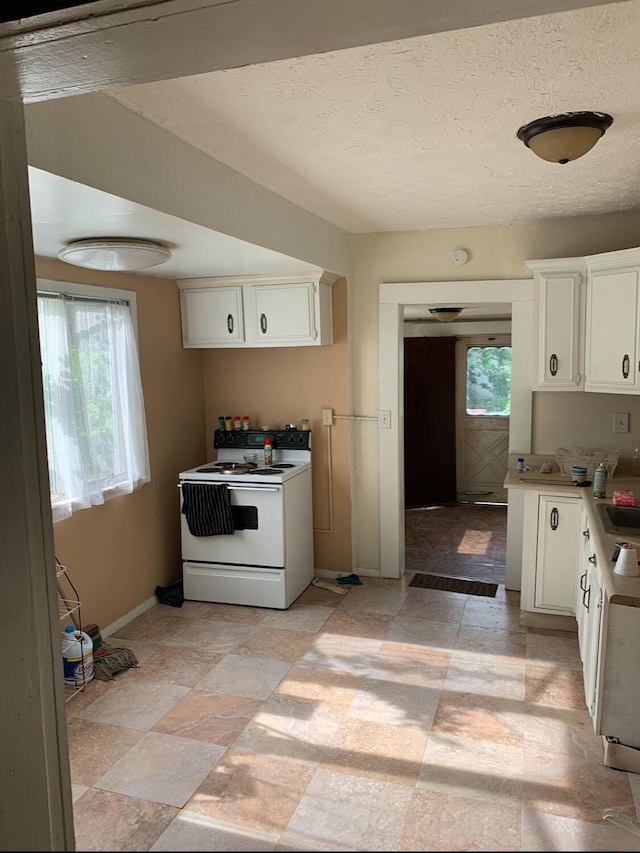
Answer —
259 510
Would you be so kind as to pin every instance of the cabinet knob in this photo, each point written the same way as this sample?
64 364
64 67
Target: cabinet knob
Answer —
553 518
230 323
586 533
553 364
586 594
593 559
263 324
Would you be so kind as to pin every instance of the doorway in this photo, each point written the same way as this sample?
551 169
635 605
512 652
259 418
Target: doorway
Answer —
457 392
393 297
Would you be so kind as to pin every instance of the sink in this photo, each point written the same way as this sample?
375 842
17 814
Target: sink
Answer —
620 520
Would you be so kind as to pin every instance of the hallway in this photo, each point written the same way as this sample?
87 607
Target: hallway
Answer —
386 718
457 540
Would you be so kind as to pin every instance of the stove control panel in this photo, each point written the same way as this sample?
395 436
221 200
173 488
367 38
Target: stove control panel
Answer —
292 439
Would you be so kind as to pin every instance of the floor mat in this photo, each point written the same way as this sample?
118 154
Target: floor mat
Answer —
455 584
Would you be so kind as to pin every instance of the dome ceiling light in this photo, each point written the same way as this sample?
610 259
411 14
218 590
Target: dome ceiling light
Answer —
115 254
445 315
564 137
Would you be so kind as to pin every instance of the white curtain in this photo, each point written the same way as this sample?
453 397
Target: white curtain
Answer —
94 408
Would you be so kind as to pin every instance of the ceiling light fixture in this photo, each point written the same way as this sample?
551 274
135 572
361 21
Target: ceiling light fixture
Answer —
564 137
115 254
445 315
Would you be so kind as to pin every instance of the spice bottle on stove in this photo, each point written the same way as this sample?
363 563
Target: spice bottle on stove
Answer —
268 451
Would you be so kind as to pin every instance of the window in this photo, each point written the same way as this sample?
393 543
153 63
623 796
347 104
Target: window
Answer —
94 408
489 381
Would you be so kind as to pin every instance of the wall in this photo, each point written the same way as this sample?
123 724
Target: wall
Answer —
582 419
119 552
283 385
495 253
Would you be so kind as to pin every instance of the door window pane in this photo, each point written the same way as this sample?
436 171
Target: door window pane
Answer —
489 381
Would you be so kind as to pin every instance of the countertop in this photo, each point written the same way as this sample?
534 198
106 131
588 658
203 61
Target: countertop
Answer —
619 589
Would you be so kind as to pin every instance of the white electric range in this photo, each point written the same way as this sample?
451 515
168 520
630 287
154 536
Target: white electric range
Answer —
267 561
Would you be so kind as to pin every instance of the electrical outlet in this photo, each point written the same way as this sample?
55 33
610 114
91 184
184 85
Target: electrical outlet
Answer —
384 419
621 421
327 417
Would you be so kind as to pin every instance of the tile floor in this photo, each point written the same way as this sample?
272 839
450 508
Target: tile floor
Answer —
387 718
463 540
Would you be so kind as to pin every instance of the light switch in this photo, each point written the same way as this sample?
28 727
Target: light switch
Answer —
621 421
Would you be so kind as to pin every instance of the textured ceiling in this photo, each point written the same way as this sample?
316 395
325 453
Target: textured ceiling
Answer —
420 133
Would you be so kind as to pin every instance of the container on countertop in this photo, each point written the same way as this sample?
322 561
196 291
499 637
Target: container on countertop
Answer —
600 482
578 474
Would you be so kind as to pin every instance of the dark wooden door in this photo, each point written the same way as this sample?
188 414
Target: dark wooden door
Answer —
429 421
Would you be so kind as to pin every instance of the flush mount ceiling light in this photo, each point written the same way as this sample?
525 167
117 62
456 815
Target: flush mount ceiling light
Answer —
564 137
115 254
445 315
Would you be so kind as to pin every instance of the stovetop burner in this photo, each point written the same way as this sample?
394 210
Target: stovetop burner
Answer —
229 467
268 470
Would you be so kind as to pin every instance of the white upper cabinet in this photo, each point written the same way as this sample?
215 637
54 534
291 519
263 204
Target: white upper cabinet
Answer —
257 311
613 322
587 335
211 316
559 313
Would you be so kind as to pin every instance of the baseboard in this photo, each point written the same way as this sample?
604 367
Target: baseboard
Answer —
551 621
364 573
128 617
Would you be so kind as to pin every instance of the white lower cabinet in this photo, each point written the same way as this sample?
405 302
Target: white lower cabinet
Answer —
589 617
562 574
550 553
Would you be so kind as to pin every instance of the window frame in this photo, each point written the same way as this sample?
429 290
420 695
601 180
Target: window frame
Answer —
472 341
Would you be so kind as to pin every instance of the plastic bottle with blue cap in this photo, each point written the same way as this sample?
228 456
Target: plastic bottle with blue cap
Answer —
77 657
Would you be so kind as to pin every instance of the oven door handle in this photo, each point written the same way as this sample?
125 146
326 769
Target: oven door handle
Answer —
253 488
238 488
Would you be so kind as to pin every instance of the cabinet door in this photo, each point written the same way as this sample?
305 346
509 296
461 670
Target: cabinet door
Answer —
589 600
212 317
283 314
559 343
585 551
612 332
591 603
557 554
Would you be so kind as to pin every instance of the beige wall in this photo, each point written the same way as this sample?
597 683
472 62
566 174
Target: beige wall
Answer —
582 419
118 553
284 385
495 253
